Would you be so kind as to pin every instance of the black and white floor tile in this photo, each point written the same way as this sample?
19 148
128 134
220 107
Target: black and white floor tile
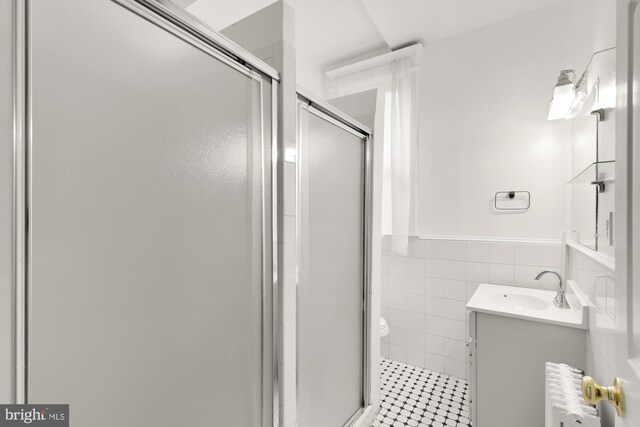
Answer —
412 396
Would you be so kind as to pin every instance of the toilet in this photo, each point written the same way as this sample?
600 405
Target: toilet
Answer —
384 328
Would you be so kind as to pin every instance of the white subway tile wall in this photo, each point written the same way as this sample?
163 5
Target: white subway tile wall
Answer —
424 294
598 283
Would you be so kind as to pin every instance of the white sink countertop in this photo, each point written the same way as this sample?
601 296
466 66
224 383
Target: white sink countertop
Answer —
531 304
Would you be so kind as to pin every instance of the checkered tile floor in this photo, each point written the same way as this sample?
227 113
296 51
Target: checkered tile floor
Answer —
415 397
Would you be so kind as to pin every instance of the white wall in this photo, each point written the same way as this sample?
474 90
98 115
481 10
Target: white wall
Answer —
484 98
482 128
593 28
361 106
309 73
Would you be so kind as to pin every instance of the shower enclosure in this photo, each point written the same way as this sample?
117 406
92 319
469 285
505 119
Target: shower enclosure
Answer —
150 168
334 173
144 242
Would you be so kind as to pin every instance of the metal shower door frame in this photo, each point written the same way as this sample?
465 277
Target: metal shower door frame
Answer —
176 21
319 108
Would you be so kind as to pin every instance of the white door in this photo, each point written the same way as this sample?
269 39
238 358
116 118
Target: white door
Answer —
628 210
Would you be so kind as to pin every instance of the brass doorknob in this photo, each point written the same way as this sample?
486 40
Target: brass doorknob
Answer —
593 393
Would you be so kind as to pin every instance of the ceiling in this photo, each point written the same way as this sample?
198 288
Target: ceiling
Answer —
330 31
219 14
405 21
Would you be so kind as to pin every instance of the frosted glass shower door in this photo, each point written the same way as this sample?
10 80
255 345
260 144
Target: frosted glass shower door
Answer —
332 271
147 251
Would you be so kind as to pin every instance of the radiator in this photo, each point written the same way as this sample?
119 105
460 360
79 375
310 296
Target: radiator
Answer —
564 405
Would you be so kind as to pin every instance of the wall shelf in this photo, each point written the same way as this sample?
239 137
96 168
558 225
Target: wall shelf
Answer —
597 173
608 262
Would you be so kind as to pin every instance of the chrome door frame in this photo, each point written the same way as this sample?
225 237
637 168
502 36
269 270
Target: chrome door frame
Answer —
21 136
315 106
170 13
181 24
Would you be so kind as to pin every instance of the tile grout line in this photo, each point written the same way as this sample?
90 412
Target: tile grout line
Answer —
416 397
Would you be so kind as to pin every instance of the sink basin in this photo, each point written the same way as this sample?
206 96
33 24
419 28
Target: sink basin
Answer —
531 304
520 302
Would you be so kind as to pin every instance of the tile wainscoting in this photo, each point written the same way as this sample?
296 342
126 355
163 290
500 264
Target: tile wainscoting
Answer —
425 292
598 283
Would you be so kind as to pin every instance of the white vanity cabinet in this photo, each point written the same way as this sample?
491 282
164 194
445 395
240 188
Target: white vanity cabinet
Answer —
508 349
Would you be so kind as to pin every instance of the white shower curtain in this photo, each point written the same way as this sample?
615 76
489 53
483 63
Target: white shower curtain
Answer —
394 80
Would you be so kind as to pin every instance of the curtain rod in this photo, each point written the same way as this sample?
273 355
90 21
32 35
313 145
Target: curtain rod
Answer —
412 52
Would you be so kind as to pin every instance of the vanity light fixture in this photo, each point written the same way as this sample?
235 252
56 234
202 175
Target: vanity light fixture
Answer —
563 94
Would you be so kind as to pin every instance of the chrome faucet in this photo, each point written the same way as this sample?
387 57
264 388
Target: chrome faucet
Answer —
560 300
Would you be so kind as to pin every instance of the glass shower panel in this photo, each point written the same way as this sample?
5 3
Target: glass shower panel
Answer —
331 289
146 233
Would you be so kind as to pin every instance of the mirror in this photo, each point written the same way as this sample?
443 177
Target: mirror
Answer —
583 196
593 155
